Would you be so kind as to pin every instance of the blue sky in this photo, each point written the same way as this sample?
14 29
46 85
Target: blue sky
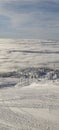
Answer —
29 19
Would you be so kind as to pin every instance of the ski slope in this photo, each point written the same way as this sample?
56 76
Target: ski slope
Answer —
29 84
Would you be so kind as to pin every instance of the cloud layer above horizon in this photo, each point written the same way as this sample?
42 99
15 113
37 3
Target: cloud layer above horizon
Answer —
29 19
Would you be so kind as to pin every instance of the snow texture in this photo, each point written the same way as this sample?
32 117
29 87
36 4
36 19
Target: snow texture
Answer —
29 84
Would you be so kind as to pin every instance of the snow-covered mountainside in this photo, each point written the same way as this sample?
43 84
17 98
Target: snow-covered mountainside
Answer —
29 84
22 61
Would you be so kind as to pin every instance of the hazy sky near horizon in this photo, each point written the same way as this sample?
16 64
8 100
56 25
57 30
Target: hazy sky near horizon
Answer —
29 19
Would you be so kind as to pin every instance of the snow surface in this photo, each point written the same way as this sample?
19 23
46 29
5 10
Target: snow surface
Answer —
29 84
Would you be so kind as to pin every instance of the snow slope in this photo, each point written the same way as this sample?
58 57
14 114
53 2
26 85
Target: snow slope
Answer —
33 107
29 84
